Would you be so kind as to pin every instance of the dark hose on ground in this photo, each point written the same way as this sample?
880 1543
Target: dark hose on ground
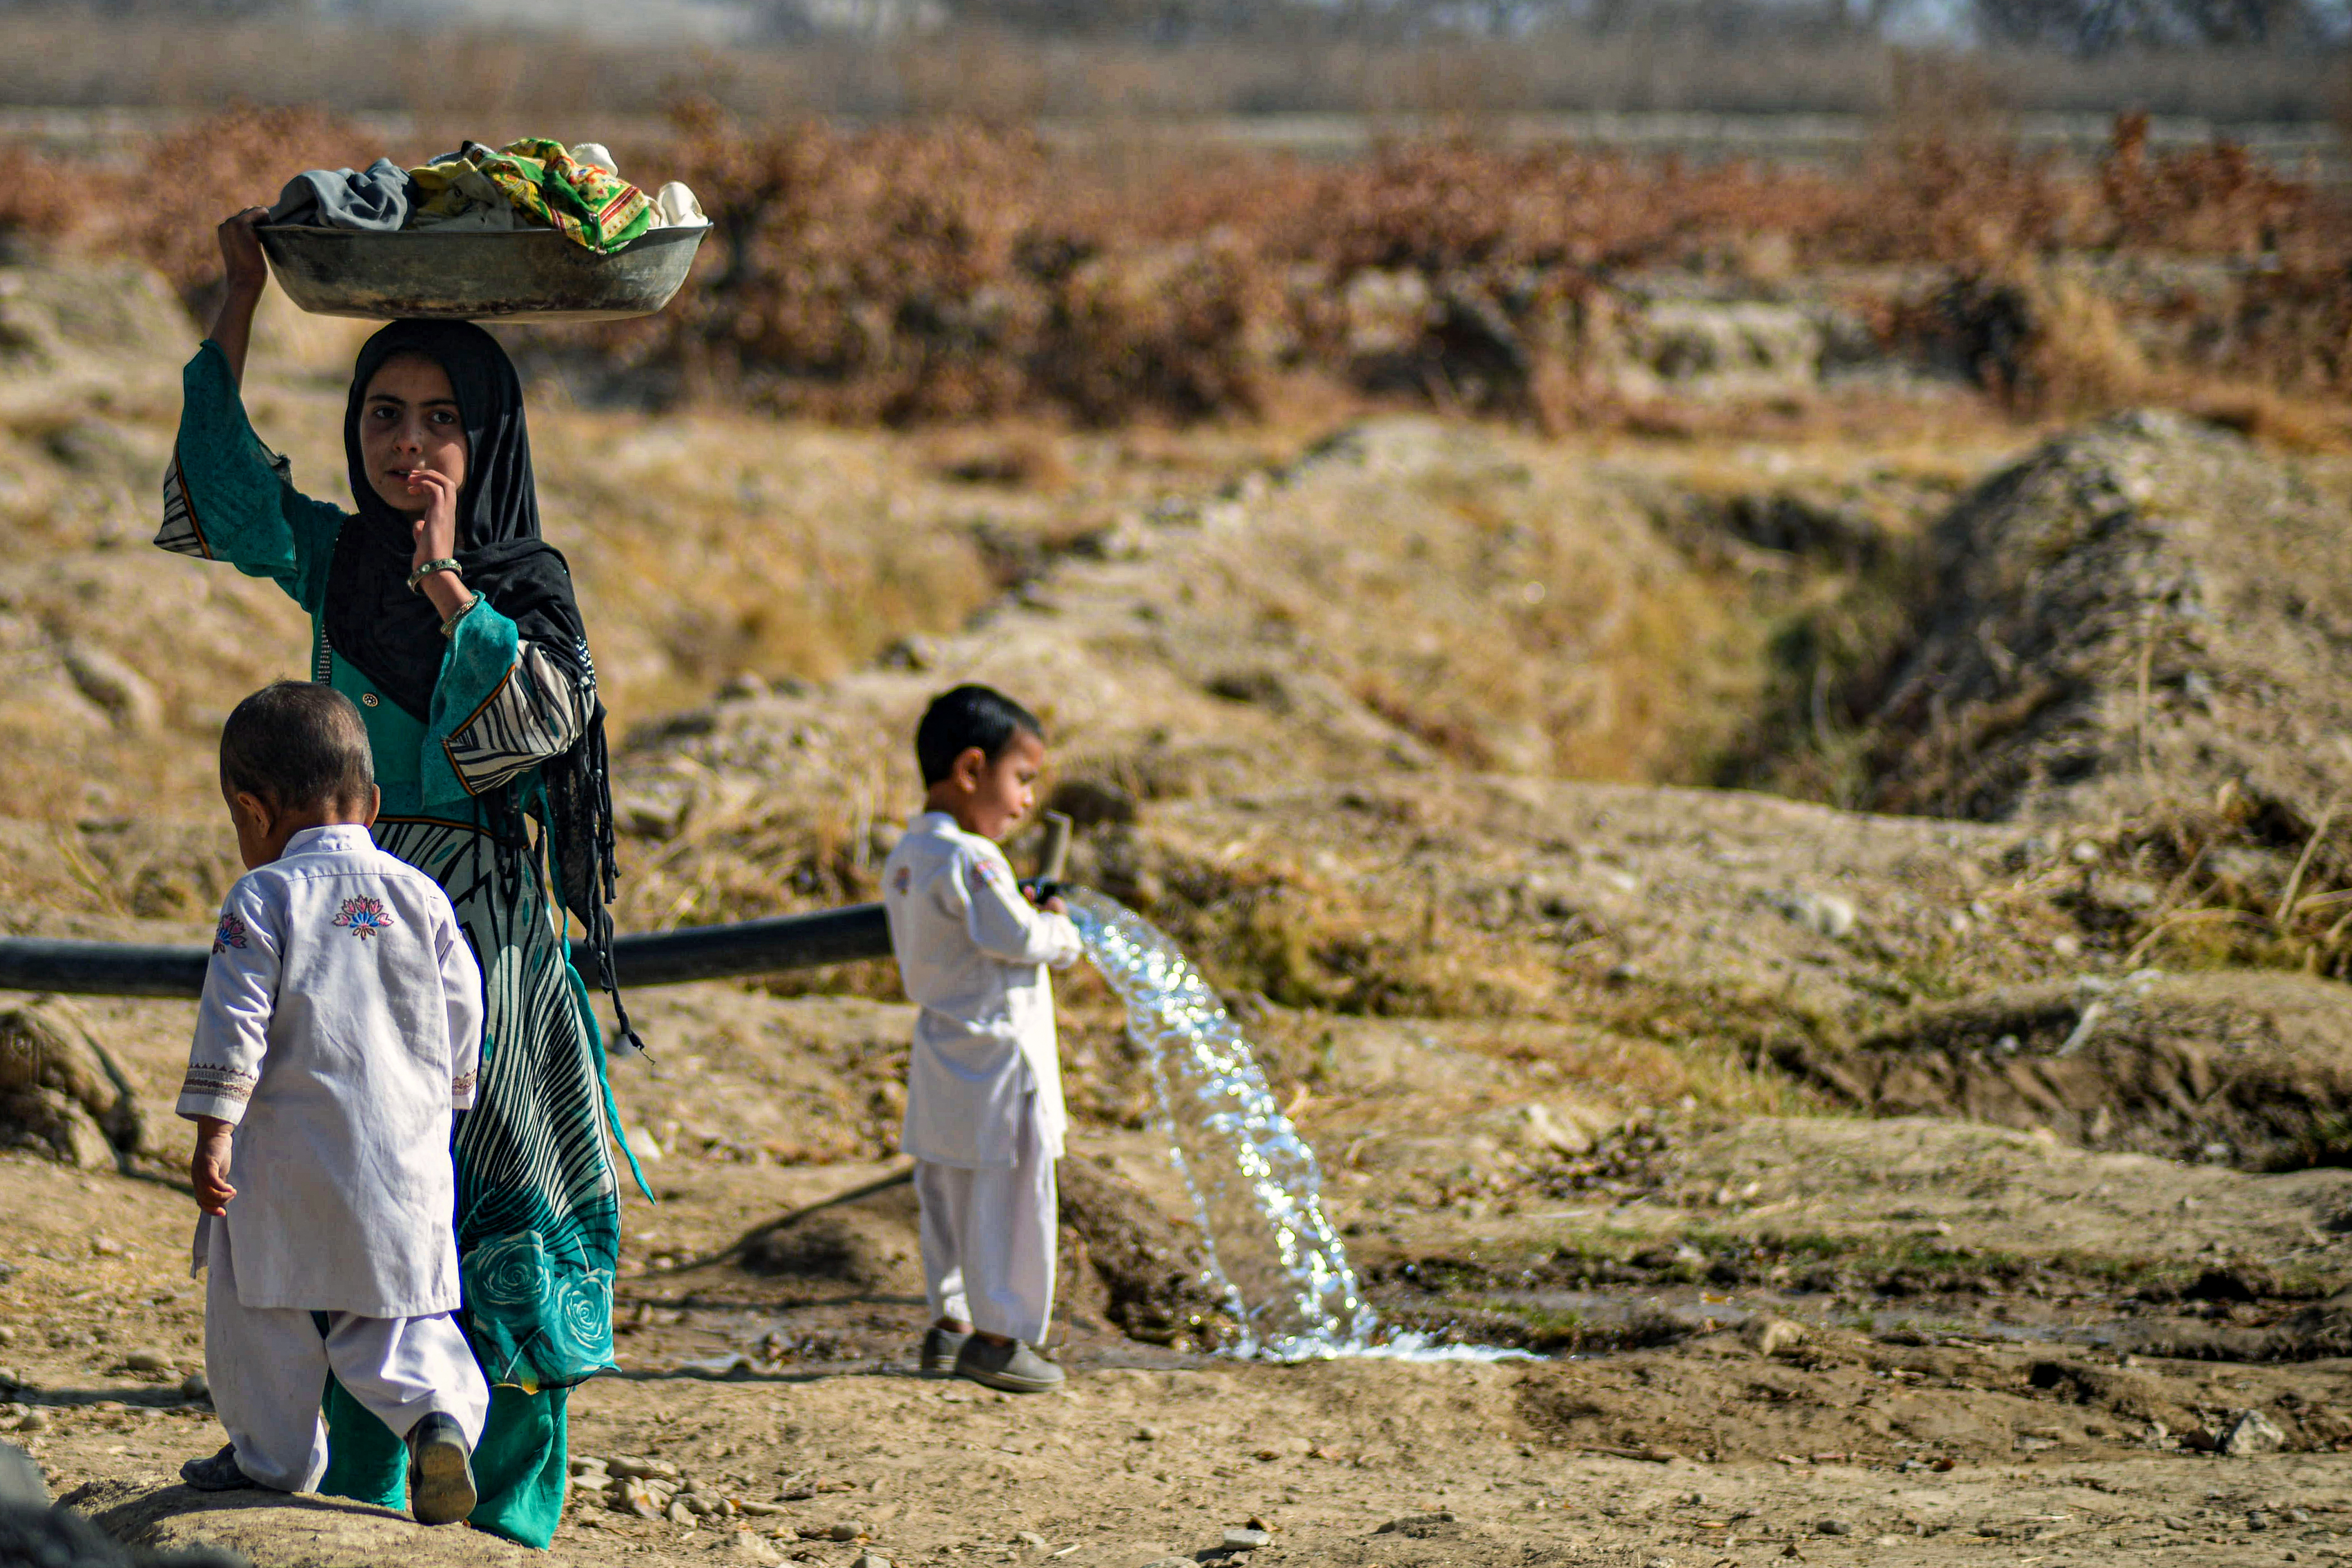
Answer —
771 947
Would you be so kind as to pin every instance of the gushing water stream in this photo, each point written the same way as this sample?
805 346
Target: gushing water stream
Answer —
1255 1184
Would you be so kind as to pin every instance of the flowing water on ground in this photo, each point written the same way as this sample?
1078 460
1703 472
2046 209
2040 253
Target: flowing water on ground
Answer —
1255 1184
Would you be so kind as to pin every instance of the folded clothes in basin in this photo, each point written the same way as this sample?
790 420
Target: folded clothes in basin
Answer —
532 183
376 197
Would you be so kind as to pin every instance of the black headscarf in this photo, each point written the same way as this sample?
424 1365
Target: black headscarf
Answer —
392 634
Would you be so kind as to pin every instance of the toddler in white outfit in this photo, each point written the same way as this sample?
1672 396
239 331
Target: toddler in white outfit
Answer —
984 1117
339 1032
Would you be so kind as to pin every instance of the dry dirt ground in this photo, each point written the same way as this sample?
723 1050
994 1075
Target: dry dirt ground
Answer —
1848 1188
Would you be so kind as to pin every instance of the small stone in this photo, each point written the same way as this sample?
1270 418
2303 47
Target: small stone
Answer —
2066 944
1769 1336
1823 914
147 1361
1147 1433
1835 1527
1246 1540
196 1385
680 1514
105 1247
846 1529
648 1469
870 1560
587 1465
742 1546
1030 1538
2251 1432
33 1421
1419 1524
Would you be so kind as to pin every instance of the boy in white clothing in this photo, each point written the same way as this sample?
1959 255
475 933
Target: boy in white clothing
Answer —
984 1118
339 1031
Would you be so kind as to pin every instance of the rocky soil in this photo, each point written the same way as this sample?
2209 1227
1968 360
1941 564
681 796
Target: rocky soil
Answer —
1834 1186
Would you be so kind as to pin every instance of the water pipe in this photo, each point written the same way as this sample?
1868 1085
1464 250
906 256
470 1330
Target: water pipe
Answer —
772 947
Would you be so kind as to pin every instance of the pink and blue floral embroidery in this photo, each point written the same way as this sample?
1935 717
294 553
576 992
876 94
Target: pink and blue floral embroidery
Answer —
364 916
230 934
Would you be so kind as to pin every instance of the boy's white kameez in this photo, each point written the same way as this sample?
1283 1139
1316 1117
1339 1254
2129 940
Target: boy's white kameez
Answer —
339 1030
984 1117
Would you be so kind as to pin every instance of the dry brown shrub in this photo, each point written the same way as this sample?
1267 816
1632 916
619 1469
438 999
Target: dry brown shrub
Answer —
965 270
39 199
197 176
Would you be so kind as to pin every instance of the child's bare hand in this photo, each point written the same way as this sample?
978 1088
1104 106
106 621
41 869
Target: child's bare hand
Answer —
436 531
1054 905
208 1170
241 251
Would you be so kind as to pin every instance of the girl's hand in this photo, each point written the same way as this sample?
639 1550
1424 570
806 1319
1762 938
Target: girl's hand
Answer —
240 248
208 1170
436 530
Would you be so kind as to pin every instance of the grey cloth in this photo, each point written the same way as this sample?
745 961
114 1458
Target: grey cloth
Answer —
374 198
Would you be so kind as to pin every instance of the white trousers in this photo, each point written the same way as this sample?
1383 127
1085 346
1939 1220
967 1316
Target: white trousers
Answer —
988 1241
267 1367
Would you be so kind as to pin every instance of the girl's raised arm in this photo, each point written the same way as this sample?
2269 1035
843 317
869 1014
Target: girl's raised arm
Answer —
247 274
227 497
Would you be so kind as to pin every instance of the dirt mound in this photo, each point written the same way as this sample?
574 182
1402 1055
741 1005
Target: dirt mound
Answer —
2250 1068
1123 1261
2147 610
845 1247
61 1095
183 1527
1150 1273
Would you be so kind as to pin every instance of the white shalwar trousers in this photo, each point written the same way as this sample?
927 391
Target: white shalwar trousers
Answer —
267 1367
988 1241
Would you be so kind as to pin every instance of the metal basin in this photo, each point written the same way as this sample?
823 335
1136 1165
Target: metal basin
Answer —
519 275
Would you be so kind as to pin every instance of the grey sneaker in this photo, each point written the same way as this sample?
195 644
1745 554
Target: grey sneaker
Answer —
440 1470
220 1473
1014 1369
941 1347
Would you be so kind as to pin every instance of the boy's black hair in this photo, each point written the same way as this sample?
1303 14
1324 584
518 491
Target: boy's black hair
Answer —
298 744
967 717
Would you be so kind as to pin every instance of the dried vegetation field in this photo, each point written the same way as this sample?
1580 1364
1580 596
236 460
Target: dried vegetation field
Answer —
1789 855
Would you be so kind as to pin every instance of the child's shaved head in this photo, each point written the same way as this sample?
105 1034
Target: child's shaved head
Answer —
298 744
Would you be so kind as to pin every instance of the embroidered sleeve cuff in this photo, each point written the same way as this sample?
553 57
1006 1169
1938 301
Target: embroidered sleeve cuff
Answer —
181 533
218 1092
461 1091
534 712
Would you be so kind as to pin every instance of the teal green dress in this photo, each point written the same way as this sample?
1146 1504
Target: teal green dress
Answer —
537 1214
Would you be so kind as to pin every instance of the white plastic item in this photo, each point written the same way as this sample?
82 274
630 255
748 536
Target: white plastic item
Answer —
675 207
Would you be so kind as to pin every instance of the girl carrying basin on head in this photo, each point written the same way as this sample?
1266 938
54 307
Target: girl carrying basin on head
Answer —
440 612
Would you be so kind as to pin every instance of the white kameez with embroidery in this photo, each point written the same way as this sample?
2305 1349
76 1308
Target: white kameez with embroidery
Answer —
984 1117
339 1030
972 954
